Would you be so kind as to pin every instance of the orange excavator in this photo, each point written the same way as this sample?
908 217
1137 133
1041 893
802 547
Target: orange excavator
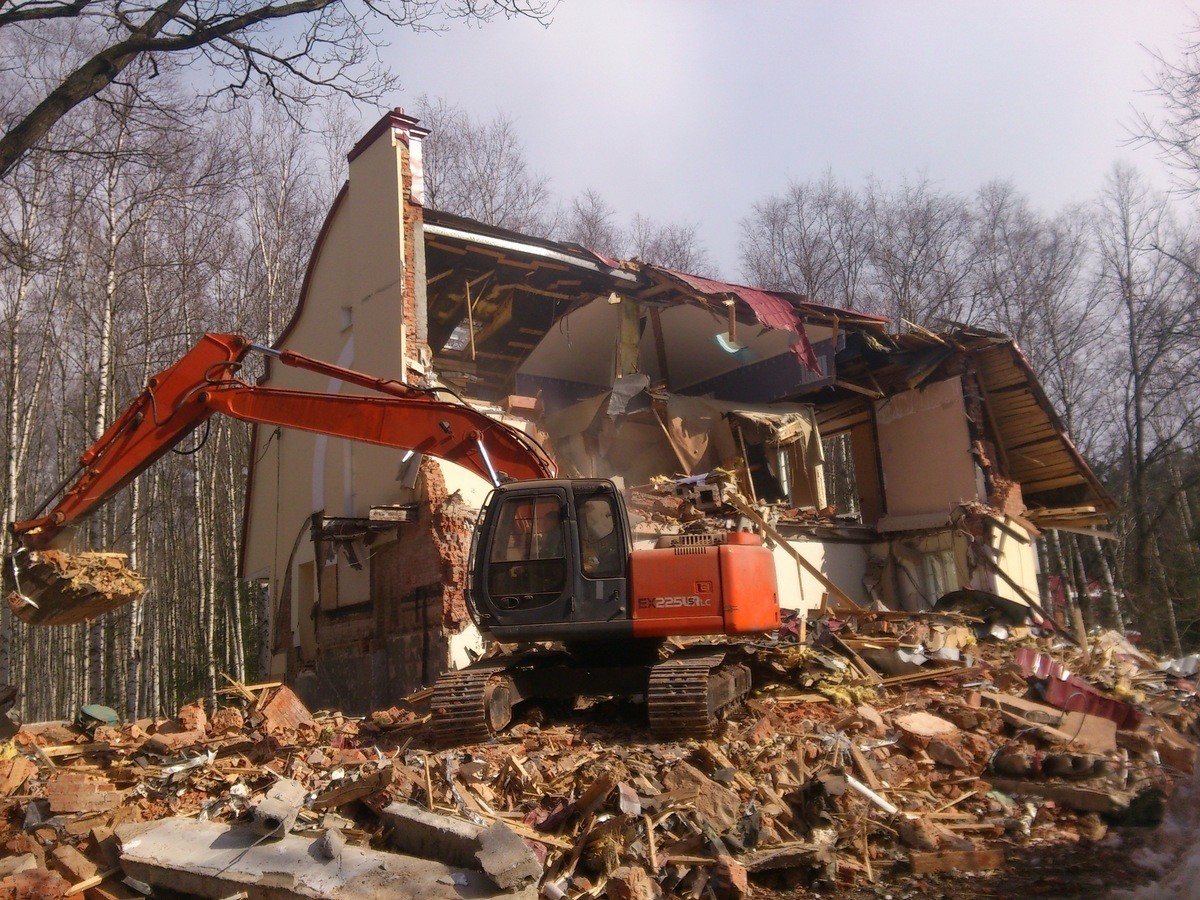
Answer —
552 559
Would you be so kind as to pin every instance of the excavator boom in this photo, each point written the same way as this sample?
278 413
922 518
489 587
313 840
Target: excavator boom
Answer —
204 382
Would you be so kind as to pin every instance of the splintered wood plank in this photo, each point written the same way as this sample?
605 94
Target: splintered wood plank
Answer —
956 861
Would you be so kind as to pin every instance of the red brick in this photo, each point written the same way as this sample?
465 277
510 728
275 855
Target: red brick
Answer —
70 791
38 884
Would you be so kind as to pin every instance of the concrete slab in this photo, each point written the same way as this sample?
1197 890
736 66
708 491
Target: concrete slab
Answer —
211 860
432 836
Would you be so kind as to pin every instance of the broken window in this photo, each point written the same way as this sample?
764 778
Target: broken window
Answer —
841 480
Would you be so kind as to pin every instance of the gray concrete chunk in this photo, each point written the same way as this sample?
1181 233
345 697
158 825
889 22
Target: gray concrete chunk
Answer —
206 859
506 858
432 836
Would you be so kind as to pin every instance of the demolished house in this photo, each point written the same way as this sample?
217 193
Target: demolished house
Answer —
925 737
889 470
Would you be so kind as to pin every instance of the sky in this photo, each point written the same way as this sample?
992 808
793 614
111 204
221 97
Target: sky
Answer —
693 111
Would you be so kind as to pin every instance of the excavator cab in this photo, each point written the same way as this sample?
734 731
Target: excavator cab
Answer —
550 561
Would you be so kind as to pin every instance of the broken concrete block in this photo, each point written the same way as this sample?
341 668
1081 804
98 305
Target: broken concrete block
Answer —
73 864
1094 733
729 880
947 753
872 719
506 858
211 860
422 833
917 834
1026 709
631 883
1080 799
718 805
284 711
191 728
276 814
332 843
228 718
70 792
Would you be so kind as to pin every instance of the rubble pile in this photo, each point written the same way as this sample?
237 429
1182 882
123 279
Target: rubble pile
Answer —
889 746
60 588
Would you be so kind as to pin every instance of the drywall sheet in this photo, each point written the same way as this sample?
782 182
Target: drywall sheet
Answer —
925 450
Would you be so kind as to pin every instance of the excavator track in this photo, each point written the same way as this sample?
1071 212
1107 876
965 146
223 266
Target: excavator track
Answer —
472 704
688 691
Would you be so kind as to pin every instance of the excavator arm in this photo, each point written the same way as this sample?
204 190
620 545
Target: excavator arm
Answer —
205 382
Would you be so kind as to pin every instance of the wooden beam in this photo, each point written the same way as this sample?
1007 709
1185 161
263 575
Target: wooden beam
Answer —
660 347
626 362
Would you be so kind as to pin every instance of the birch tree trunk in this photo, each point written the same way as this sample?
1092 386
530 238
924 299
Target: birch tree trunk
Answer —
1110 588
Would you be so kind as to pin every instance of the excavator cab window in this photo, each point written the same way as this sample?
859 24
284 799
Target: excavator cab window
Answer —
602 551
528 559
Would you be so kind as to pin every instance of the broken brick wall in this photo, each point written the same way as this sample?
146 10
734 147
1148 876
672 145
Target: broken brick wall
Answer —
400 643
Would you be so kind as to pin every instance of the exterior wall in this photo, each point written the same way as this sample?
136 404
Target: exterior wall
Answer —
361 308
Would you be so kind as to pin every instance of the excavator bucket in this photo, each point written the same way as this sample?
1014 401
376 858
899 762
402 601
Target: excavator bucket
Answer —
54 587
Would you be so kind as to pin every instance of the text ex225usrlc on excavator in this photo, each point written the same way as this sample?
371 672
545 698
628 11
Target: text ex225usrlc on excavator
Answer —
551 559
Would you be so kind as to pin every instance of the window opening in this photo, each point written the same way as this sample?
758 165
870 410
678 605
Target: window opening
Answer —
841 482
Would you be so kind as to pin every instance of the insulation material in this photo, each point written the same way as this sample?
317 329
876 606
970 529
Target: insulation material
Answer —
691 423
925 449
699 430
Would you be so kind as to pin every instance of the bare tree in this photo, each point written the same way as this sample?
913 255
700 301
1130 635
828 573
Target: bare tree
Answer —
675 246
1031 283
1152 299
591 222
328 44
815 240
1174 126
921 254
479 170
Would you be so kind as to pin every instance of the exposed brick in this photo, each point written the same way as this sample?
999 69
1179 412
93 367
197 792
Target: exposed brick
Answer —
74 865
38 884
70 791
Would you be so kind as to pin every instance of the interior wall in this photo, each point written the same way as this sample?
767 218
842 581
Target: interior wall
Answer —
925 450
842 562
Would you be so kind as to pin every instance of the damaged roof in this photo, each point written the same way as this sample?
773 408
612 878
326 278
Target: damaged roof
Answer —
495 294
